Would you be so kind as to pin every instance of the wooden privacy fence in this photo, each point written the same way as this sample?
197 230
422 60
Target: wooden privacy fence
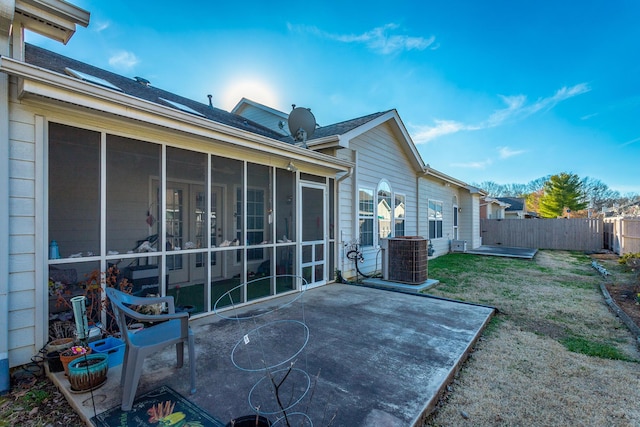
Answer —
622 235
578 234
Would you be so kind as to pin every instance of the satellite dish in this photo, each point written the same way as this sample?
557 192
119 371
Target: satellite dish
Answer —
302 124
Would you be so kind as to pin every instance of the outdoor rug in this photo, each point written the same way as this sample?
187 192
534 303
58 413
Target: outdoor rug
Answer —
162 406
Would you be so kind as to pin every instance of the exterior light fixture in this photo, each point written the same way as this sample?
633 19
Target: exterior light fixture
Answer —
291 167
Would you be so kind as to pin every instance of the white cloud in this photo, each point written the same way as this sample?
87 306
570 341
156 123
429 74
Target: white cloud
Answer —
100 26
506 152
424 134
516 108
123 59
379 39
632 141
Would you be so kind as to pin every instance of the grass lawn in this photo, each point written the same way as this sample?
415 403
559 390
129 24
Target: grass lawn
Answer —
554 355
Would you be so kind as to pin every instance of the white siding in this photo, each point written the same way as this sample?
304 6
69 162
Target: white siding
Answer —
379 156
24 339
434 189
264 117
468 217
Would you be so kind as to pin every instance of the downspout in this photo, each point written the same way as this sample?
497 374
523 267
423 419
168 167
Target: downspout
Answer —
7 9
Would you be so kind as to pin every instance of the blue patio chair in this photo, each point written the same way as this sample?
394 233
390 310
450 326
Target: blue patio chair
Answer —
167 329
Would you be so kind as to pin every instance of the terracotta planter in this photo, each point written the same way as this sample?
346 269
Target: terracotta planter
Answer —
88 372
67 356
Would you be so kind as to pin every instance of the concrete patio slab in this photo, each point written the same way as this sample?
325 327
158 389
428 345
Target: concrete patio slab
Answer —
504 251
405 287
375 357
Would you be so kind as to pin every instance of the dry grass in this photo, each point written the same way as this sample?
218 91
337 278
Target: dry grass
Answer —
522 372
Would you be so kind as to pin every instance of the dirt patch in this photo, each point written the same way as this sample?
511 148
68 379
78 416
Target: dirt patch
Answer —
34 401
624 288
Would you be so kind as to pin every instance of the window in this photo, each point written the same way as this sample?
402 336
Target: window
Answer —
384 210
399 214
435 219
365 216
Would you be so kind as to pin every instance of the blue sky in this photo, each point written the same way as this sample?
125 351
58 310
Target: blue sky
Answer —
504 91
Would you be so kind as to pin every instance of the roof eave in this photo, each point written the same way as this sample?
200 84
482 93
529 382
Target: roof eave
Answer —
331 141
44 83
55 19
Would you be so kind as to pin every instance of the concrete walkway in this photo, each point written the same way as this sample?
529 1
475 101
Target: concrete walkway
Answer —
374 357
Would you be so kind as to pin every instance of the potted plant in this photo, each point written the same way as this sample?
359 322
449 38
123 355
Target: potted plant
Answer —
72 353
88 372
99 312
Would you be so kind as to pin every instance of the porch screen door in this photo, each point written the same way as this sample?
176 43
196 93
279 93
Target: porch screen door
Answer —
313 224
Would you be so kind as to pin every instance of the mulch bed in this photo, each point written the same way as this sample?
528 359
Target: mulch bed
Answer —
623 286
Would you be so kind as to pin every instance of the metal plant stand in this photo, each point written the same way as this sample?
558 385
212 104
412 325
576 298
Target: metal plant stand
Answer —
271 343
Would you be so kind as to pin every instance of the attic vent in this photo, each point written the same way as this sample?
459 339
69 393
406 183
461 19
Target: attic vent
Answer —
41 21
91 79
182 107
143 81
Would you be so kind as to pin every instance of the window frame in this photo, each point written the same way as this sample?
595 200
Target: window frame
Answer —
438 223
398 219
366 216
384 185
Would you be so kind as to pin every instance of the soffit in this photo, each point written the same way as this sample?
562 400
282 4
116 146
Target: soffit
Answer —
51 18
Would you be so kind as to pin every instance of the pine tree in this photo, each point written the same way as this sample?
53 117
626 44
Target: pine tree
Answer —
562 191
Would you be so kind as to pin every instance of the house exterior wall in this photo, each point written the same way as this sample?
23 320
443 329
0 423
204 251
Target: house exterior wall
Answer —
497 212
491 210
436 190
471 219
378 157
24 322
514 215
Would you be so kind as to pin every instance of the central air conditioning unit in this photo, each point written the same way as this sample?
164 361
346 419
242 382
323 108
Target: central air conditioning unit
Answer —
405 259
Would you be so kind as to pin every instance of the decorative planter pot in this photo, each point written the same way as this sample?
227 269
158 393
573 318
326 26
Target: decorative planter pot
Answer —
249 421
88 373
66 357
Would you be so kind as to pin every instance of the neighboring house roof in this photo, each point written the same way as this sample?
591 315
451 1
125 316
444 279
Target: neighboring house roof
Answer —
516 203
139 88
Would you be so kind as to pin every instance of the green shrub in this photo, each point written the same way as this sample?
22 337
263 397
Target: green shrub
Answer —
624 259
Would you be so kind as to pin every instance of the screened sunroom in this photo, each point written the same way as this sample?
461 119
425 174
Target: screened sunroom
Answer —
188 222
